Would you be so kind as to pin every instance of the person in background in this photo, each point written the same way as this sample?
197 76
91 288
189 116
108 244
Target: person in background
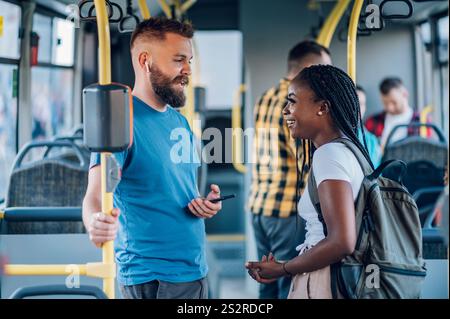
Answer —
397 111
373 146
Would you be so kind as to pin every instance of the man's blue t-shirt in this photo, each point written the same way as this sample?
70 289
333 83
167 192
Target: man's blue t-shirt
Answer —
157 239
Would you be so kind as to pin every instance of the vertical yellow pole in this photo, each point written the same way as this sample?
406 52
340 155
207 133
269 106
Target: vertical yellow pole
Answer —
351 39
165 8
143 8
104 79
329 27
236 123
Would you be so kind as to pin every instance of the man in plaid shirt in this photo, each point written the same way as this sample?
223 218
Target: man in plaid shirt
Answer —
396 112
274 176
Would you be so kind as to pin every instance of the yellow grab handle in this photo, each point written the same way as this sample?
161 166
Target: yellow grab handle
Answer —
329 27
105 79
351 39
103 42
108 247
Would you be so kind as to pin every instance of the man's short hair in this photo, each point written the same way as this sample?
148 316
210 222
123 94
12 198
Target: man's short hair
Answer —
360 89
303 49
156 29
390 83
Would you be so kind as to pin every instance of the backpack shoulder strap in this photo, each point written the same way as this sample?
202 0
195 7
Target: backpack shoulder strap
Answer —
314 197
312 186
365 166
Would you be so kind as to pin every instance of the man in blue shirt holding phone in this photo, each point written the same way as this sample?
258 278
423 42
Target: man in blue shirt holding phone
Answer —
159 246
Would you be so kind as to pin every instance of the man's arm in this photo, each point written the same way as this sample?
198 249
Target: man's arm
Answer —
101 227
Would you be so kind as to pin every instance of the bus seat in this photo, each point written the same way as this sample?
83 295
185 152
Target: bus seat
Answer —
46 183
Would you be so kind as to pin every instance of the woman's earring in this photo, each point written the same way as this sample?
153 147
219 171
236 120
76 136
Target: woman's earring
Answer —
320 113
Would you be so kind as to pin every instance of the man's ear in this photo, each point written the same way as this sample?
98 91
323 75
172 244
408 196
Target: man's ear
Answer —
145 61
405 93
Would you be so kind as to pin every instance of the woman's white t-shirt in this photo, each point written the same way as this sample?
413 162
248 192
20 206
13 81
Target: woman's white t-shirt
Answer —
331 161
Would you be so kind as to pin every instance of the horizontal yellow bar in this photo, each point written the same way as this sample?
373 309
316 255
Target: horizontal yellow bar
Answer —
44 270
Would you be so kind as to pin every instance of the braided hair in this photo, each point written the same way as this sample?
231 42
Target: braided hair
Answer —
335 86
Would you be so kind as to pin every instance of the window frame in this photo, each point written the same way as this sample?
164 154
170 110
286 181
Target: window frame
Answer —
52 15
437 67
17 63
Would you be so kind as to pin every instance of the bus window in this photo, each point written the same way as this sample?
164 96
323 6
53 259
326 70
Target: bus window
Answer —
9 30
442 52
10 21
52 78
52 101
220 53
42 25
443 40
63 42
8 121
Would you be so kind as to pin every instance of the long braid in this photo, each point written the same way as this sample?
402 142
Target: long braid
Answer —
335 86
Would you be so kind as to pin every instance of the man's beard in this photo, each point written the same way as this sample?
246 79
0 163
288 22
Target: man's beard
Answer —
163 87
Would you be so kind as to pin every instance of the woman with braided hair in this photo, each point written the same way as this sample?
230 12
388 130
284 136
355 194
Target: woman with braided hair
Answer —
322 106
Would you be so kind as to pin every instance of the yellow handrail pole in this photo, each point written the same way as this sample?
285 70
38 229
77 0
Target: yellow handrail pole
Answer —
105 79
329 27
165 8
98 270
236 140
189 109
351 39
423 119
143 8
185 6
44 270
104 43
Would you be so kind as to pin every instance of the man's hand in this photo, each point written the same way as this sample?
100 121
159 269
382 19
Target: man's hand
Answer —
202 207
102 227
266 271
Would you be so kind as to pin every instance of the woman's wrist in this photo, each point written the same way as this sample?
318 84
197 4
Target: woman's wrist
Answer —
286 271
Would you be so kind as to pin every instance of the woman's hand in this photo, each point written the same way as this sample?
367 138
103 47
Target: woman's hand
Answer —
266 271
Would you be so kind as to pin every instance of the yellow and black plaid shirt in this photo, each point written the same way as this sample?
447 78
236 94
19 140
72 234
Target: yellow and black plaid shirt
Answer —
274 173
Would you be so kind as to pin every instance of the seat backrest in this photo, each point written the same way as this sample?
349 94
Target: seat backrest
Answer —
46 183
416 148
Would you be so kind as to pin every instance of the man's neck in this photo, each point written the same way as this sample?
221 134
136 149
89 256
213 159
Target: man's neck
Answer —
406 110
147 96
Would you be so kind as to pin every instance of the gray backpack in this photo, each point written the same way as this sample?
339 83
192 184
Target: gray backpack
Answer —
387 260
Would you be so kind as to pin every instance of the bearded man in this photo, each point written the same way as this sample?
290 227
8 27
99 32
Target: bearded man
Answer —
159 246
